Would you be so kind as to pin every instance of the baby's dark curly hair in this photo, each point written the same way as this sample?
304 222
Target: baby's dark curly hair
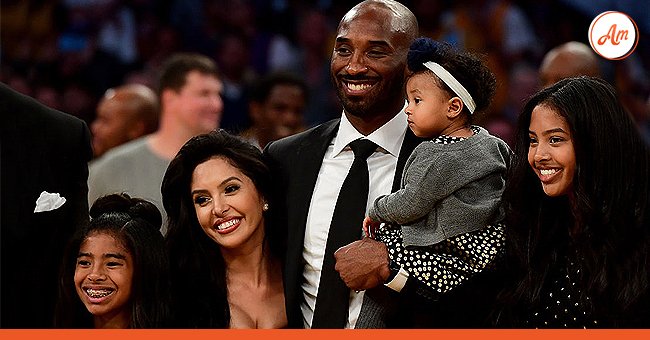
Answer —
466 67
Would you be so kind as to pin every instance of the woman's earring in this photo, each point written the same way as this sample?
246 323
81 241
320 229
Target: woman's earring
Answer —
265 207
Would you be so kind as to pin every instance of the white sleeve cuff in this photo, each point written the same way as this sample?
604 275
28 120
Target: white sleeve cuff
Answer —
398 282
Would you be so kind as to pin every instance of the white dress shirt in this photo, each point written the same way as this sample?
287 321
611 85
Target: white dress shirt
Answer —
336 164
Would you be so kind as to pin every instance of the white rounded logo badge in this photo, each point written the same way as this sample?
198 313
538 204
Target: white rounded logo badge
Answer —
613 35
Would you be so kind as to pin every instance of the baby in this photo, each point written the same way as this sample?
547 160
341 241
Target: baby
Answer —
448 207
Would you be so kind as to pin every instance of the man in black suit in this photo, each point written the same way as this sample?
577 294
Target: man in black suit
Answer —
44 156
367 67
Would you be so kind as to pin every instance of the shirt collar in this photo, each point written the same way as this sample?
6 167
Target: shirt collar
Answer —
388 137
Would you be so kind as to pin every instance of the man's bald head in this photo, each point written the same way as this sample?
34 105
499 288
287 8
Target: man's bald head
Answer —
568 60
402 20
143 103
370 50
124 113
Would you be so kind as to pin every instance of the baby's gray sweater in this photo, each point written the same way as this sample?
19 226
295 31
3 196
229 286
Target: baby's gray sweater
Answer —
447 190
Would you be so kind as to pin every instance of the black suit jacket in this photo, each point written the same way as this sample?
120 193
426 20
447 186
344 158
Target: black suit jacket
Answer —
295 162
41 150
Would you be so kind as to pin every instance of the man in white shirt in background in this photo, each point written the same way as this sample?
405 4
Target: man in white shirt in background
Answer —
190 103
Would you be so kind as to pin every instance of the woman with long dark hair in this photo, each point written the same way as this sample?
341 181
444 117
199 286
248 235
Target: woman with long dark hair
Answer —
577 212
225 274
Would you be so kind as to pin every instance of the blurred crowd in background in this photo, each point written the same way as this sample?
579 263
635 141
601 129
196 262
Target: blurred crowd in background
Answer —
68 53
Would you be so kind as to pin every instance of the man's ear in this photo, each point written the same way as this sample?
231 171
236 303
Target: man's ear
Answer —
455 107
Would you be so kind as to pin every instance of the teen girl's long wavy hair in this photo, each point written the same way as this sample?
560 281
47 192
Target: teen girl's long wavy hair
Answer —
607 220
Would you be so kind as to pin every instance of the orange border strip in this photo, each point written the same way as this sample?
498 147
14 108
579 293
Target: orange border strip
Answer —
287 334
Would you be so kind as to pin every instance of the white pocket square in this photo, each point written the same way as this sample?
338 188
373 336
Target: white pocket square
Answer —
48 202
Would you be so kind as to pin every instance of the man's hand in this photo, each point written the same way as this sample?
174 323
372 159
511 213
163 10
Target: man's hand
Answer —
363 264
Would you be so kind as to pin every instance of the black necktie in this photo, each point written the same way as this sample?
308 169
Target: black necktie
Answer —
332 302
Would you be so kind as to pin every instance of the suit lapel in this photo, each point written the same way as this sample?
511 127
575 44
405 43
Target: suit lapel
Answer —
300 187
310 154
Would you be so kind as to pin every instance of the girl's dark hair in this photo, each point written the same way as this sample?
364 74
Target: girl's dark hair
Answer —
200 294
609 209
466 67
135 223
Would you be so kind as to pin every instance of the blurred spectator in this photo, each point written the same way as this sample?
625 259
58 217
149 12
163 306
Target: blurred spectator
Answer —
315 41
48 95
79 100
637 10
156 44
570 59
26 26
84 47
117 31
276 108
187 17
266 25
523 82
190 104
19 83
551 28
97 44
428 13
497 28
76 43
123 114
633 87
233 57
252 40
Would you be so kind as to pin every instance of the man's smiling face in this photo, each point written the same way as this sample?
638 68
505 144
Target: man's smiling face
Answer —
368 63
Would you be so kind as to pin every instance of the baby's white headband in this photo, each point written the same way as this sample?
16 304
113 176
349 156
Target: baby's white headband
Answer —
457 87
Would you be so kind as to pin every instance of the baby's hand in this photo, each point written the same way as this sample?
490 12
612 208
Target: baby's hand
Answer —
370 227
